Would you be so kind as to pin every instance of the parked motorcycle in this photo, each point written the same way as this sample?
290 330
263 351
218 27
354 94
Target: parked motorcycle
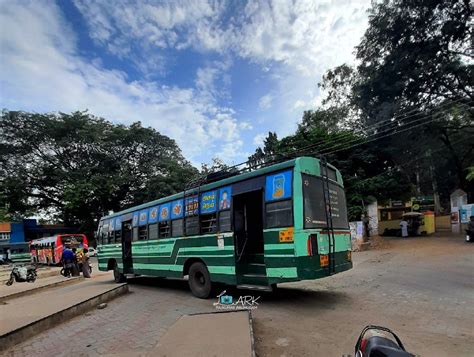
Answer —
469 236
378 341
21 274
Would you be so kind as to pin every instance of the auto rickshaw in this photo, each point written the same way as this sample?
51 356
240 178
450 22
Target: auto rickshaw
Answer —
415 222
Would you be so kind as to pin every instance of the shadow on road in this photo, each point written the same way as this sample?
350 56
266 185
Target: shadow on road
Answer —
324 299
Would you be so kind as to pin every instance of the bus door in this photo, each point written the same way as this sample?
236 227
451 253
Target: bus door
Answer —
248 238
127 258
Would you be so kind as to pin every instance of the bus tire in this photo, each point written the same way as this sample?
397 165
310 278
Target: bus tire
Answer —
200 280
118 276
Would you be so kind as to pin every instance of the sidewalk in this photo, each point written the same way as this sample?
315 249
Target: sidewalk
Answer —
27 315
209 334
17 289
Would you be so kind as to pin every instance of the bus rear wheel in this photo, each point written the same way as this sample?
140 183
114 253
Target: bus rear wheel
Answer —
200 280
118 276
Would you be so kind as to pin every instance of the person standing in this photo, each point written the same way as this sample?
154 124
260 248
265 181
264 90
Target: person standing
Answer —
68 261
404 227
86 273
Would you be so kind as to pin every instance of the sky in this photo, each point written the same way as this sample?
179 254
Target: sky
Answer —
216 76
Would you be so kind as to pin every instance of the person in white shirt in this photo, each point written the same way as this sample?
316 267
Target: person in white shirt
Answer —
404 226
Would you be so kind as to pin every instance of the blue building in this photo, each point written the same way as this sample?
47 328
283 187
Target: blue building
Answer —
15 236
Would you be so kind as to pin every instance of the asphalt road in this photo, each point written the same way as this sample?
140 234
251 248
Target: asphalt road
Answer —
423 288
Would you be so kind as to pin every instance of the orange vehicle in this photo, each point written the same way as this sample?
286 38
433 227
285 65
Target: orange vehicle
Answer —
48 250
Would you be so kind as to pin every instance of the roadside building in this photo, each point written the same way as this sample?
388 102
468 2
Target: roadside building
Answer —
390 215
14 236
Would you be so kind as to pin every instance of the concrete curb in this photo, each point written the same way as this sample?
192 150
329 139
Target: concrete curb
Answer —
23 333
252 336
18 294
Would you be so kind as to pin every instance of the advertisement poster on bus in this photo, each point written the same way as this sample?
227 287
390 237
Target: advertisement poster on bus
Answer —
177 209
225 196
278 186
208 202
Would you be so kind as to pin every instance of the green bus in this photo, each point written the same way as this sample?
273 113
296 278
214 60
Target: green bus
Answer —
281 223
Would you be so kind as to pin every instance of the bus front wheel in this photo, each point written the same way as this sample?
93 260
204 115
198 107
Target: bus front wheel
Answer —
118 276
200 280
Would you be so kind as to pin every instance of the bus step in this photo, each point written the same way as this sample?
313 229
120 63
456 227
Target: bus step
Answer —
254 279
255 268
255 287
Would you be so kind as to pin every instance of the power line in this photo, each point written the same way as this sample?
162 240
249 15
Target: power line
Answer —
388 121
427 117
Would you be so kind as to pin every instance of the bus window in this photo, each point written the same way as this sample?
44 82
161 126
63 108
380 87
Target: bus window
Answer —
135 233
110 237
142 233
153 231
192 225
164 229
118 236
224 221
177 228
279 214
208 223
314 210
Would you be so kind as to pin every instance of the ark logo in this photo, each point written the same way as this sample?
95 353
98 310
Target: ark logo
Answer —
226 302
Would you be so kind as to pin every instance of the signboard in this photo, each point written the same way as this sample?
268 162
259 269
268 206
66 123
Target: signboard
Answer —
135 219
153 215
225 197
208 202
177 209
143 217
192 206
397 204
165 212
465 212
278 186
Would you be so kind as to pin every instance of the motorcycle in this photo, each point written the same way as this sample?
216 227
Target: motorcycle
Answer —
469 236
22 274
373 343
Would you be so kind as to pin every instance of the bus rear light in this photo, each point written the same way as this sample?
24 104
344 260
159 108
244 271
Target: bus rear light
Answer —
312 245
324 260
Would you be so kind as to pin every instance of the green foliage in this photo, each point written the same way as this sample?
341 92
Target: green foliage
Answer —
470 175
414 53
412 92
76 167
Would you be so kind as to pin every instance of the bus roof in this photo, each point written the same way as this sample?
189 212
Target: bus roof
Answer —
44 240
210 186
52 239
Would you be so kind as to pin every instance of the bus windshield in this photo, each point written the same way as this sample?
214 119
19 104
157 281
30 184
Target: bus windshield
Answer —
73 240
314 211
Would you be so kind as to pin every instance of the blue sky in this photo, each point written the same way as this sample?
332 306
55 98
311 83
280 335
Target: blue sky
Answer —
216 76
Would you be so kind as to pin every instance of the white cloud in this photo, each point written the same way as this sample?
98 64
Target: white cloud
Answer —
265 102
42 71
294 42
259 139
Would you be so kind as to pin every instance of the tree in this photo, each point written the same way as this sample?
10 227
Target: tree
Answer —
367 173
412 91
76 167
414 54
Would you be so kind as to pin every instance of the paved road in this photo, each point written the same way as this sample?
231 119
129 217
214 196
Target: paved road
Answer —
422 288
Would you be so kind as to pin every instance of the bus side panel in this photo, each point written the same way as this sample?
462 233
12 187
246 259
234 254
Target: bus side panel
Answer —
109 251
309 267
279 258
166 257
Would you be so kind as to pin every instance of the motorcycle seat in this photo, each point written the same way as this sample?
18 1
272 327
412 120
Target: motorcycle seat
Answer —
378 346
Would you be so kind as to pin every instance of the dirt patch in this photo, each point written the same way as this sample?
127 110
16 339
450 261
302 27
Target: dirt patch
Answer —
414 286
